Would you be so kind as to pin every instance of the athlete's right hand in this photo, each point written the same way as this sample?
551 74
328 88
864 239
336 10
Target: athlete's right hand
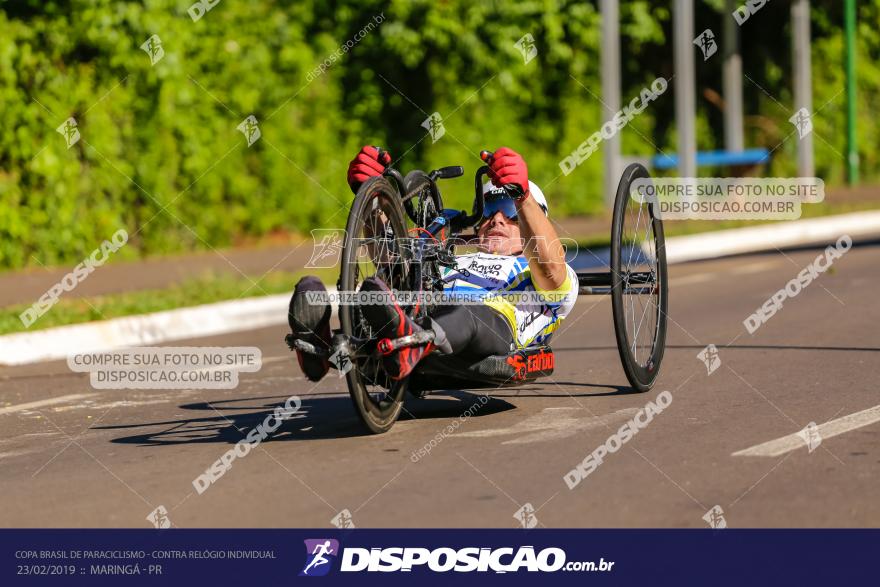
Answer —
369 162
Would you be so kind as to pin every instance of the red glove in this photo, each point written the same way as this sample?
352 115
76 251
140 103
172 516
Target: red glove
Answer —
365 165
508 166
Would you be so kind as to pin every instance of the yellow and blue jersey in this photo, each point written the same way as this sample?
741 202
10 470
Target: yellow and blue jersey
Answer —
498 281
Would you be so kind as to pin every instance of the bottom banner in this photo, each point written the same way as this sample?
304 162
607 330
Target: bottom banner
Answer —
392 557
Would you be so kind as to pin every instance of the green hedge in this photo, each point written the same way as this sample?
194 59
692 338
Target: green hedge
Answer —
160 154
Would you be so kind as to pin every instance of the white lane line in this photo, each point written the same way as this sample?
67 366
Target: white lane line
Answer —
288 357
552 424
116 404
45 402
780 446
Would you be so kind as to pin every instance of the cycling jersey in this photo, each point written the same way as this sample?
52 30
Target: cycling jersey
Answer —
486 278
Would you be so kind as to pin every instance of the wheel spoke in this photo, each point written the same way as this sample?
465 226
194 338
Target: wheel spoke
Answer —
632 246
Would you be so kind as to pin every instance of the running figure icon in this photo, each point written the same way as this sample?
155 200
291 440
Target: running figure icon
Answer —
319 554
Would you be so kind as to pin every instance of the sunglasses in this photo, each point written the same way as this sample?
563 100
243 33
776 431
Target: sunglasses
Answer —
500 204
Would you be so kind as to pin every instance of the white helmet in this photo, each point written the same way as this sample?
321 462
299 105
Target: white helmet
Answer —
534 190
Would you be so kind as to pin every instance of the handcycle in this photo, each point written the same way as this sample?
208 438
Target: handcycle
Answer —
399 230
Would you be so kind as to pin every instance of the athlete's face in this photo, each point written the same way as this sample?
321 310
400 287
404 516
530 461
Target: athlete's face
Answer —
499 235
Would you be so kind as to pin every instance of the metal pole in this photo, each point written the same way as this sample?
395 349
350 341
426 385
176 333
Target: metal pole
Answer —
803 86
685 87
610 73
852 149
732 82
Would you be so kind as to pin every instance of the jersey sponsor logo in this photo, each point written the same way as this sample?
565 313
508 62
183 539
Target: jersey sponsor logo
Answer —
493 269
494 279
528 321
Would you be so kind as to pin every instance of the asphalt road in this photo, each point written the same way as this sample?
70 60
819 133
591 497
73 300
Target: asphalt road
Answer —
72 456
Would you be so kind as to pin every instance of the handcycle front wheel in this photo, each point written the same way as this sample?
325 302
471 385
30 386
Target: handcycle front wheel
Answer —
639 282
373 247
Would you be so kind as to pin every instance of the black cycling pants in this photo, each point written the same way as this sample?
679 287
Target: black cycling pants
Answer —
474 330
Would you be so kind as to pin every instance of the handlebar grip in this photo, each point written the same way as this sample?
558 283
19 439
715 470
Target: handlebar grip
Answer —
513 190
380 155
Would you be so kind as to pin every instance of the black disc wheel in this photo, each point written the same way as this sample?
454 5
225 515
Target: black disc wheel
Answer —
373 247
639 282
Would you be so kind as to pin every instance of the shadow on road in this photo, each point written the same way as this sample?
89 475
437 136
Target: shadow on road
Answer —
617 390
318 418
745 347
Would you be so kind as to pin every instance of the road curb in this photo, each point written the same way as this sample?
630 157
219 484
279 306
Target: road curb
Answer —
259 312
145 329
769 237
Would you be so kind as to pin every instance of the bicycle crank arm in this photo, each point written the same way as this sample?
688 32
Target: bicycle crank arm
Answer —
298 344
342 344
386 346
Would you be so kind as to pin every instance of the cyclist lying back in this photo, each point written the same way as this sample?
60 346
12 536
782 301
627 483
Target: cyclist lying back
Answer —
519 252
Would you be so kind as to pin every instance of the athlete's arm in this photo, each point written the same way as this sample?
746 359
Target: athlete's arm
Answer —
542 247
541 243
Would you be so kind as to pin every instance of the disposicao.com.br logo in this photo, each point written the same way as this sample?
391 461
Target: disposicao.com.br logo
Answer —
442 560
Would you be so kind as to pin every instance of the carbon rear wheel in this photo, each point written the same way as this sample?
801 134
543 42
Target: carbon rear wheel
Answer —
373 247
639 282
